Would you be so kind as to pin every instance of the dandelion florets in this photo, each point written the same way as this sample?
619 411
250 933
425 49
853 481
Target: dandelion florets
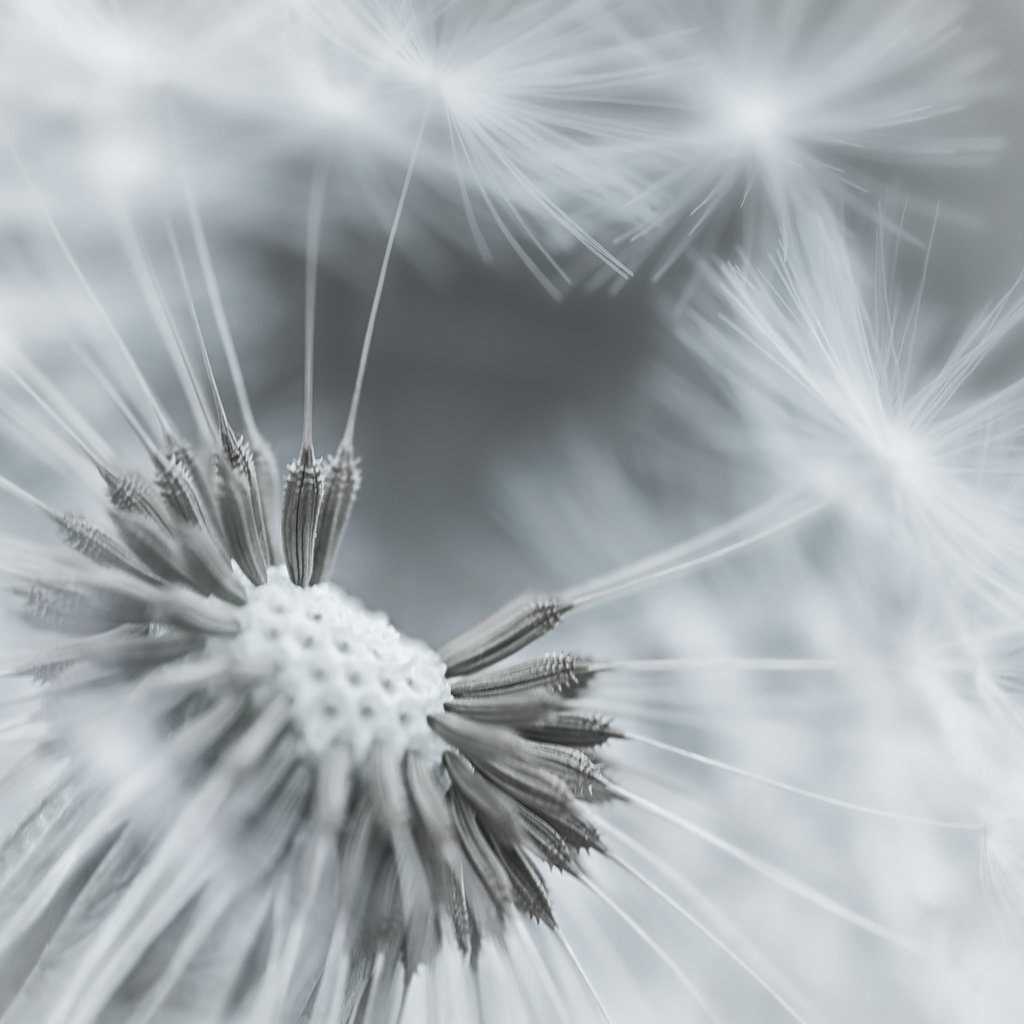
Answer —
254 726
351 678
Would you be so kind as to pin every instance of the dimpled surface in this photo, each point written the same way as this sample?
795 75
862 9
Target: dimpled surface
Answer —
351 677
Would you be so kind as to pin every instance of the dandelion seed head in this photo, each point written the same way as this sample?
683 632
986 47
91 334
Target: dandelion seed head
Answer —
258 726
755 116
462 90
904 453
518 125
799 104
351 678
835 368
465 91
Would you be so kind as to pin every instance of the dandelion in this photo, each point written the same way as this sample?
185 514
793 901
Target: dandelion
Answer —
848 389
526 110
797 107
848 382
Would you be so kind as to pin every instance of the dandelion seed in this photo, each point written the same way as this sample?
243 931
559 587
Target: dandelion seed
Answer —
527 130
841 385
795 107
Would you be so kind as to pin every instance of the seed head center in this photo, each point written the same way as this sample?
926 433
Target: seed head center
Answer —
352 679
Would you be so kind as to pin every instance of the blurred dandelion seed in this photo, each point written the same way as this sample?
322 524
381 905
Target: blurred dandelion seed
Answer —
524 128
797 107
823 358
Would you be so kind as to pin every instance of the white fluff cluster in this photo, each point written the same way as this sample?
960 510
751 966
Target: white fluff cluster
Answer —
689 300
351 677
